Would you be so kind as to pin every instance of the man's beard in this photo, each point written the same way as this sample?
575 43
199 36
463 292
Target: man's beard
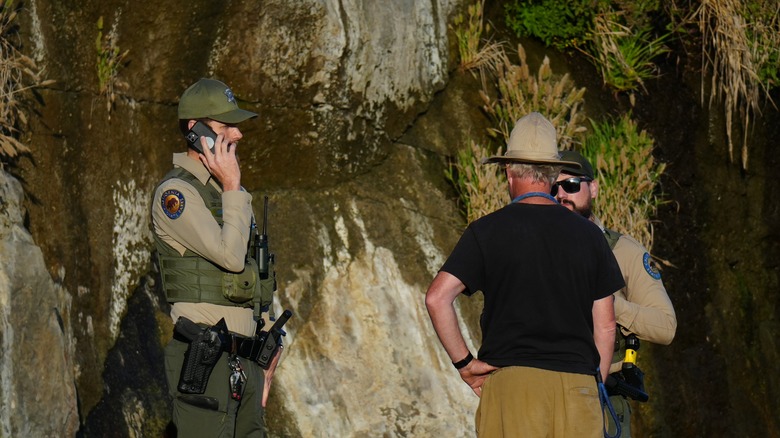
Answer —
584 210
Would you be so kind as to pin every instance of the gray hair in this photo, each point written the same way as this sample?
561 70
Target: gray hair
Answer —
537 172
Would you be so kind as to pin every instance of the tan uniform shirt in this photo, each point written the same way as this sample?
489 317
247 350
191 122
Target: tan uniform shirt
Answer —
197 230
642 307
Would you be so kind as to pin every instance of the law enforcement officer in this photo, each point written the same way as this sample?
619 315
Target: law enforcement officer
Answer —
548 323
643 307
202 220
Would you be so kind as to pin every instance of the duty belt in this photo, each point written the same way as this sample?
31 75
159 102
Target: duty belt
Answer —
249 348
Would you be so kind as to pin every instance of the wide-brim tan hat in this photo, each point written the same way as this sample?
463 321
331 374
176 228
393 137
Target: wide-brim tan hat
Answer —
532 141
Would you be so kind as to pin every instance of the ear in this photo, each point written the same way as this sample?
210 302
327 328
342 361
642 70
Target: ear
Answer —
510 179
594 189
191 123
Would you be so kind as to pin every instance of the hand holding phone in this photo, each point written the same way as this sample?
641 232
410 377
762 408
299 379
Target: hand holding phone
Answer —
223 166
200 129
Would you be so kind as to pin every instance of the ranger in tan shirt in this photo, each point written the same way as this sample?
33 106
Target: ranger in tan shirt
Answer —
643 307
202 221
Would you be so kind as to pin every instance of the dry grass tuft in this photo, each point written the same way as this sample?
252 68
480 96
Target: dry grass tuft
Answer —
483 188
738 42
18 75
468 32
520 92
622 157
110 59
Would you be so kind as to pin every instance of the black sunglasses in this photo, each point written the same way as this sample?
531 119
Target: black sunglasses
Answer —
569 185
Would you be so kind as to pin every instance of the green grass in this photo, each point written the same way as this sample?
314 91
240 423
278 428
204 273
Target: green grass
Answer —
110 59
625 56
559 24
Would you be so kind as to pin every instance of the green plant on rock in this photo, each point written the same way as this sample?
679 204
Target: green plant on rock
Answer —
559 24
622 158
638 13
623 54
110 59
763 34
18 75
468 32
619 42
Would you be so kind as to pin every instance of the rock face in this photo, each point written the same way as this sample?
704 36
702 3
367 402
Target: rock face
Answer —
358 225
359 108
37 366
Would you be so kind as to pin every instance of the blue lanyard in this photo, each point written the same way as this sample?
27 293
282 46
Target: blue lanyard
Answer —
532 194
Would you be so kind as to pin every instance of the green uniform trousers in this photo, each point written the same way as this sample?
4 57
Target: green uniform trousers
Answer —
623 412
214 413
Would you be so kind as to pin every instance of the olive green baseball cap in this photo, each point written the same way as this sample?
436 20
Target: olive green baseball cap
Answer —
211 99
585 168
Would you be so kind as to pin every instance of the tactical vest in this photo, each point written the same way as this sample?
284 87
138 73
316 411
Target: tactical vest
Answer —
192 278
612 237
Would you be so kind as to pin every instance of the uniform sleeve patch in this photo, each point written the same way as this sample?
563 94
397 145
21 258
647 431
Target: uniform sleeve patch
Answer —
173 203
651 270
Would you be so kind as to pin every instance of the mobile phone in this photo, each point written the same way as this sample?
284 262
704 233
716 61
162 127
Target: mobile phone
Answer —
200 129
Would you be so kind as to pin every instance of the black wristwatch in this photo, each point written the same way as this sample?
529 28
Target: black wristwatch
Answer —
467 360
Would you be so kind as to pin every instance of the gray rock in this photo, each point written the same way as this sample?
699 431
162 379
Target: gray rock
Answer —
37 372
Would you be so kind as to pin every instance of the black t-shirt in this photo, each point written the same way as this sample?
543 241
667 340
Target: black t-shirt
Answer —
540 268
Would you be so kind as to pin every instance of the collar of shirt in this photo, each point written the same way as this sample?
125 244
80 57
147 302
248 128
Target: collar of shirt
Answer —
597 221
194 167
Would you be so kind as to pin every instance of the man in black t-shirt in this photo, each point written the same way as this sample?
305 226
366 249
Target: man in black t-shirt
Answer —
548 322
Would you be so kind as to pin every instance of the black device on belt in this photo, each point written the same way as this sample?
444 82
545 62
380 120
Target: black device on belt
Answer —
260 348
187 331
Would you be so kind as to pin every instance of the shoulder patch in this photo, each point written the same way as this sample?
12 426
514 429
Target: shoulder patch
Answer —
651 270
172 203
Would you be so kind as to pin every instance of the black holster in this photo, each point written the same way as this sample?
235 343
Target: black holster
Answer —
629 382
203 352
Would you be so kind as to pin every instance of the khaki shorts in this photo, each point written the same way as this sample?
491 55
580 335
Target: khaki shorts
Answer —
532 402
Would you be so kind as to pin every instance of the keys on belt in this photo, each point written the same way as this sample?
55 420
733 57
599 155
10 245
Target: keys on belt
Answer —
237 378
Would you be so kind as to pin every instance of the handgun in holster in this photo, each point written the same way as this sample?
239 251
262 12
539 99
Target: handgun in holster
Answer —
205 347
629 381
